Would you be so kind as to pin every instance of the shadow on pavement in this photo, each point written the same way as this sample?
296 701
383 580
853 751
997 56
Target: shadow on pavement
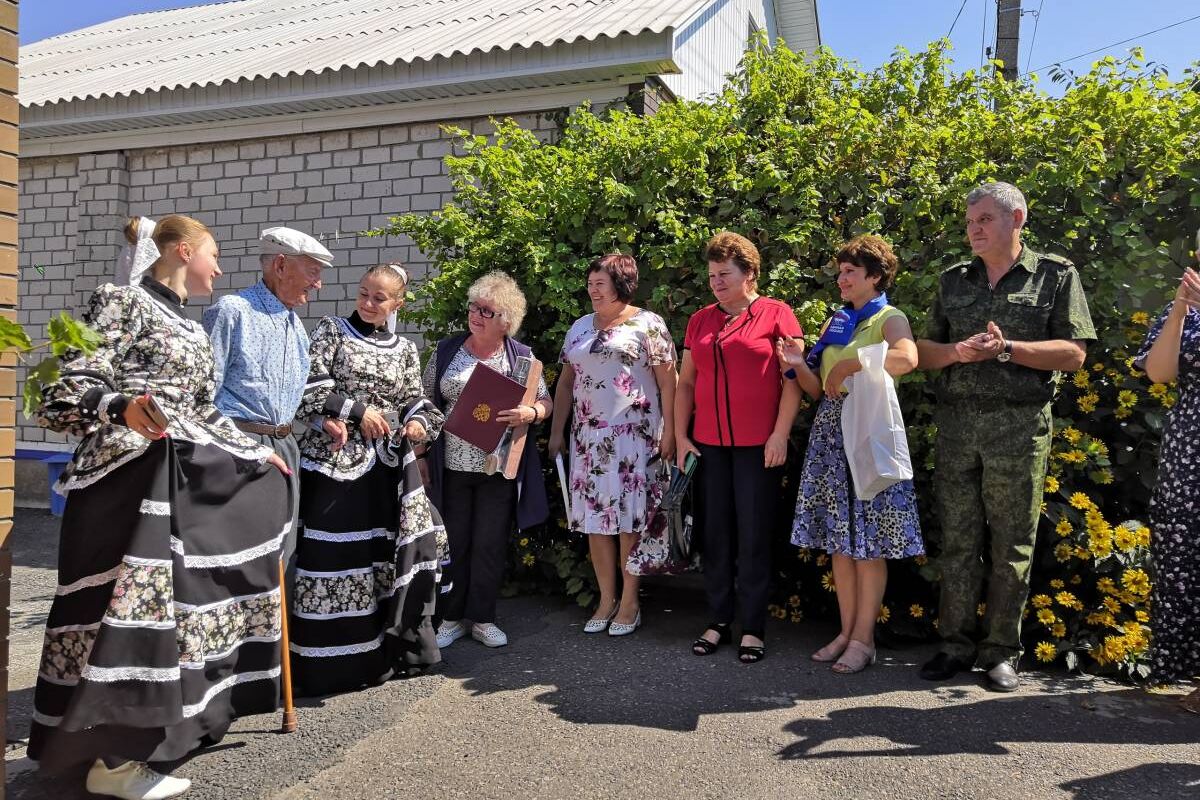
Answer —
1167 780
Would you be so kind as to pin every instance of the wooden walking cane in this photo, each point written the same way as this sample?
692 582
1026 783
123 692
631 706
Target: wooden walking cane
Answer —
285 662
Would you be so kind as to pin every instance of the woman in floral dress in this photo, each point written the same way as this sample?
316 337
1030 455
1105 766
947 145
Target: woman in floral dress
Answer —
367 564
859 534
1172 352
618 379
166 621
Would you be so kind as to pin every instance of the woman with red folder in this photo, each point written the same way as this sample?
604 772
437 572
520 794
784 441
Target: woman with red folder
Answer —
479 509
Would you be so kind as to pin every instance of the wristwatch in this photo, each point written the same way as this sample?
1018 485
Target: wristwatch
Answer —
1005 355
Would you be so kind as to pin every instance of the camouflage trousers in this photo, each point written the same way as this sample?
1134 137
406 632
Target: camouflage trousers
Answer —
990 469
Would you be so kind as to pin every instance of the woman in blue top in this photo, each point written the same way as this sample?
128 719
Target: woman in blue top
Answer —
858 534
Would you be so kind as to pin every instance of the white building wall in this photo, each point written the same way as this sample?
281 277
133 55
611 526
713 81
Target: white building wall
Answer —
709 46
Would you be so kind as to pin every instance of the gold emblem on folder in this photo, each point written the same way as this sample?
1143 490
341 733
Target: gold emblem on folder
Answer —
482 412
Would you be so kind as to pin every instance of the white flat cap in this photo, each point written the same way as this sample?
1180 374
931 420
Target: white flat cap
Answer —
293 243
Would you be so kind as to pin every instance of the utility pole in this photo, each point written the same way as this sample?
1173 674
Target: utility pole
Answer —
1008 36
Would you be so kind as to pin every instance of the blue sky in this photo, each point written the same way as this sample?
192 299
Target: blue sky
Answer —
865 30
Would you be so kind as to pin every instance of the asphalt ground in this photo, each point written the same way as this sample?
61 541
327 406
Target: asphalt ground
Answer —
559 714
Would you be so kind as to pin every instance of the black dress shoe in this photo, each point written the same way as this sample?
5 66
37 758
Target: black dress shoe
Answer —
943 667
1003 678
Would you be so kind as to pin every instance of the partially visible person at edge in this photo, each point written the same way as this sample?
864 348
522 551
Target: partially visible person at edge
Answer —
859 535
367 561
166 621
1172 353
741 411
618 379
261 347
1002 326
480 511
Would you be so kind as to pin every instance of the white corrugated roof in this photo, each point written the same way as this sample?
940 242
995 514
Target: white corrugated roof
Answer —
247 39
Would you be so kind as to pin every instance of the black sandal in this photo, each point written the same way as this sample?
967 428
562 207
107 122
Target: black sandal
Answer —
752 653
703 647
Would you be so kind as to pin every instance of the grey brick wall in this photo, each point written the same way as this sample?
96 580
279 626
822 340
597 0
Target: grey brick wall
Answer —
331 185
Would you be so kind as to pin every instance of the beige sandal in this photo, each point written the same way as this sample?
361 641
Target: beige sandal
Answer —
831 651
856 658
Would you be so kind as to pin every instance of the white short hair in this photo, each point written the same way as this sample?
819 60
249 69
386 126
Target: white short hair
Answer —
1008 197
502 291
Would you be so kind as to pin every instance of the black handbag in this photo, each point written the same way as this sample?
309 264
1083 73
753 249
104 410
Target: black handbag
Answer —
676 505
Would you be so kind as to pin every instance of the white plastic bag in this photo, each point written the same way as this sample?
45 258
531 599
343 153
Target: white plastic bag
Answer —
873 428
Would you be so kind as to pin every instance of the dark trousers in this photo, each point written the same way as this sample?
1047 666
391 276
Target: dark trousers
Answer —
740 500
478 512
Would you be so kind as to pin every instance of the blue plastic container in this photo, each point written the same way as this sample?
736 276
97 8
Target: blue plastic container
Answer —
55 464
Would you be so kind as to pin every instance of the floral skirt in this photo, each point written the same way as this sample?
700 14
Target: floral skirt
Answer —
828 515
367 574
166 622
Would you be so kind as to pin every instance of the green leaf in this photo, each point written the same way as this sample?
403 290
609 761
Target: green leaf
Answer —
13 336
67 335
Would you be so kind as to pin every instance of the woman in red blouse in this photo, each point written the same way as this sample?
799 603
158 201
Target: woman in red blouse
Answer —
741 412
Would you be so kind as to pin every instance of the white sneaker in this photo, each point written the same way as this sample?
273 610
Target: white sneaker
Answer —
489 635
450 632
133 780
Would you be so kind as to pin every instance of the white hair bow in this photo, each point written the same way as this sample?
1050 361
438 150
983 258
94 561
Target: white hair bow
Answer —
135 259
403 273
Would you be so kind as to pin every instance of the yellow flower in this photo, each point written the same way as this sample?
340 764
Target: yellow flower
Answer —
1136 581
1169 401
1046 617
1126 398
1143 536
981 609
885 614
921 561
1041 601
524 542
779 612
794 600
1125 539
1111 604
1120 412
1045 651
916 610
1063 528
1158 390
1140 318
1062 551
797 616
1071 435
1051 485
1087 403
1080 500
1066 599
1100 546
1103 476
1056 584
1106 585
1141 616
804 555
827 582
1081 378
1097 367
1058 630
822 560
528 559
1073 456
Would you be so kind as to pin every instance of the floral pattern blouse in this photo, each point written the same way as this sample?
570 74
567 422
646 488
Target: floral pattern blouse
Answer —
147 345
460 455
355 365
617 421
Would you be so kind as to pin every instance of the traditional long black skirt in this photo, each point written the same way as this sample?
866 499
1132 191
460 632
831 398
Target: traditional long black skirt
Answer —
367 573
166 621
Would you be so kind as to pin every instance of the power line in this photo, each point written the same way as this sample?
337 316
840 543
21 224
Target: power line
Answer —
1037 19
983 35
1123 41
956 16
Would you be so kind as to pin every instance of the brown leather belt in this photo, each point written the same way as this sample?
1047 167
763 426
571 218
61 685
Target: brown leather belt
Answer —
262 428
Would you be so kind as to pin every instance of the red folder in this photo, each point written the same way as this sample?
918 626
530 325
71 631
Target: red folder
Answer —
486 394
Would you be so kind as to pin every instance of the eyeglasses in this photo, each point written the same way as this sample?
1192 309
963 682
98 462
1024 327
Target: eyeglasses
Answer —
475 308
600 343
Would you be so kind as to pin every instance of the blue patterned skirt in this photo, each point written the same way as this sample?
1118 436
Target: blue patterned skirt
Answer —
828 515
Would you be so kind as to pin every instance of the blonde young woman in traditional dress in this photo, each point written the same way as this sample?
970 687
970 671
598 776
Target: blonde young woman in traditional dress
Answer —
367 561
166 621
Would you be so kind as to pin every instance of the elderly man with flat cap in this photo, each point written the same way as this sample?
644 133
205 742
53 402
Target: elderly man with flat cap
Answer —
261 348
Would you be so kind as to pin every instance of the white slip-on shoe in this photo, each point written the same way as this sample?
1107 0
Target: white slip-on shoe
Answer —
488 635
450 632
599 624
625 628
133 780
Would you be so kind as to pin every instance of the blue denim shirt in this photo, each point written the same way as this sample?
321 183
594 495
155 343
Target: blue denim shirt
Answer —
261 352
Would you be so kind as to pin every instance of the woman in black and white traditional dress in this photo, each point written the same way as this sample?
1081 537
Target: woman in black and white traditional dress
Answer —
367 567
166 621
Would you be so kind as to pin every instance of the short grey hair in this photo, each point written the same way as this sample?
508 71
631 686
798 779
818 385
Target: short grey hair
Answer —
499 289
1008 197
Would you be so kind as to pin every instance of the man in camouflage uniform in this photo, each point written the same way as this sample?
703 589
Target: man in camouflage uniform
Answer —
1002 326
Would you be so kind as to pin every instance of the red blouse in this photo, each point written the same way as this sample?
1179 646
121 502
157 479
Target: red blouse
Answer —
738 384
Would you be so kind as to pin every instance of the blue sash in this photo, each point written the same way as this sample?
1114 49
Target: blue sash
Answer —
840 329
